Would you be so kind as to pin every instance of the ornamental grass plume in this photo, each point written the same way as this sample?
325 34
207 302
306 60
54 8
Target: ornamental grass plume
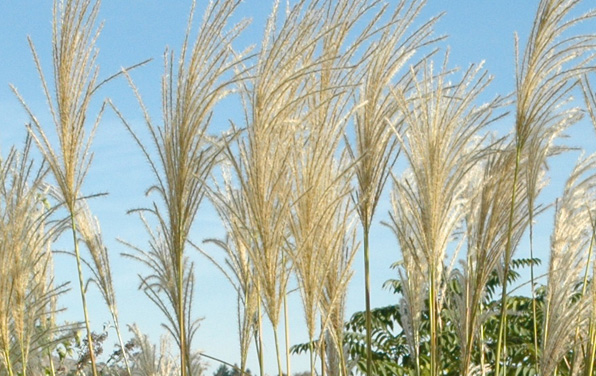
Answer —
153 361
334 297
589 359
375 146
185 157
27 292
550 67
150 361
75 81
486 221
320 227
90 232
238 268
320 224
565 308
442 145
275 95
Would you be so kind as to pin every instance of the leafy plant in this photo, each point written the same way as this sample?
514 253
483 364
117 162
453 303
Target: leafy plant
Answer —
392 354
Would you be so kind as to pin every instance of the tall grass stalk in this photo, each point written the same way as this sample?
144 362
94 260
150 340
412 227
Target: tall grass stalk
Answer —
75 81
275 96
570 246
185 157
486 224
27 292
90 231
375 147
442 145
590 349
287 336
259 340
319 226
577 340
551 65
240 275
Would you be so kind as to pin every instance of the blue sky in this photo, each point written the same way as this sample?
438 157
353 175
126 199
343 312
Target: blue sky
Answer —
135 30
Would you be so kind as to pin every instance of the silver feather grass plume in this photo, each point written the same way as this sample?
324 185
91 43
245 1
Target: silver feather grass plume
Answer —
487 215
571 242
275 96
99 265
27 292
151 360
375 145
319 234
238 266
590 350
375 148
335 289
239 272
320 227
551 65
75 75
441 144
186 154
75 81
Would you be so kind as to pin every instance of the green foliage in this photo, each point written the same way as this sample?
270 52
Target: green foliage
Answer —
391 355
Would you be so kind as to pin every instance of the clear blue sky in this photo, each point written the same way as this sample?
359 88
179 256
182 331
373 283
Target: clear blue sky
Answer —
135 30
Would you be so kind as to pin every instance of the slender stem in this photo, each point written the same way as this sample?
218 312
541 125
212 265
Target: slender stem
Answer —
433 324
482 349
311 353
277 350
417 355
584 288
508 252
342 360
183 360
119 334
287 334
323 366
233 366
23 359
242 320
367 300
592 355
322 351
82 289
534 308
260 341
8 362
51 363
469 345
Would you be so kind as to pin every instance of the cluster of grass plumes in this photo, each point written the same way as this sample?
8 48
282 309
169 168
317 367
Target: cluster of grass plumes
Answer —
442 144
329 107
186 154
27 292
291 211
75 81
257 214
